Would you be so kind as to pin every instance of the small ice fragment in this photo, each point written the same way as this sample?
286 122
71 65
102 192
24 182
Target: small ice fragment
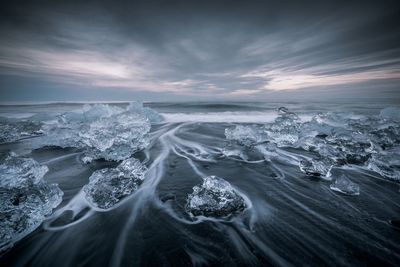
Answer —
215 197
233 153
345 186
316 167
282 110
246 135
109 186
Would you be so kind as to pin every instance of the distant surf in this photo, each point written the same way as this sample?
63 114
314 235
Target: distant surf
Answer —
227 116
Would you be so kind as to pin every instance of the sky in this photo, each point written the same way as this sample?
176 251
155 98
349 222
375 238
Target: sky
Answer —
199 50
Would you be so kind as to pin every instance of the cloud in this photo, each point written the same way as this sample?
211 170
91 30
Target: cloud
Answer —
292 82
245 92
204 49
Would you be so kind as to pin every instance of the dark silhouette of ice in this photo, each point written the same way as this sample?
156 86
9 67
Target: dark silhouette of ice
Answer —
343 185
109 186
25 198
215 197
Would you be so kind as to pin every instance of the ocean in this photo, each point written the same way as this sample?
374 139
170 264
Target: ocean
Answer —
200 184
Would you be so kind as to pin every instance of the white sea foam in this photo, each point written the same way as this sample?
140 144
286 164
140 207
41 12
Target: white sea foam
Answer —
228 116
19 115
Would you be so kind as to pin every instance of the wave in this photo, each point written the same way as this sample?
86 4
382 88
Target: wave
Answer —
225 117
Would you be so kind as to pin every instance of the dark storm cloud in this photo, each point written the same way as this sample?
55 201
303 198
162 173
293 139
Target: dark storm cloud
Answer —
219 49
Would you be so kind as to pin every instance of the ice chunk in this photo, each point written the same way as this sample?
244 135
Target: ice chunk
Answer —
283 138
283 110
233 153
109 186
342 138
386 135
12 130
101 131
284 131
392 113
246 135
268 150
316 167
25 198
215 197
337 139
345 186
351 148
148 113
386 164
17 172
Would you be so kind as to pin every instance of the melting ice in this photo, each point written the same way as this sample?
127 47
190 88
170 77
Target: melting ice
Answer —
316 167
12 130
215 197
343 185
103 131
25 198
109 186
333 139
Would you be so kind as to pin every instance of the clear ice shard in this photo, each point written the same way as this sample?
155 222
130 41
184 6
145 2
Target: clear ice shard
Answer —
246 135
316 167
102 131
214 198
109 186
387 164
284 131
345 186
25 198
233 153
18 172
150 114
